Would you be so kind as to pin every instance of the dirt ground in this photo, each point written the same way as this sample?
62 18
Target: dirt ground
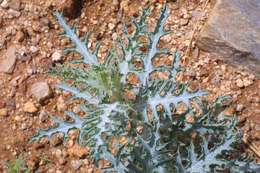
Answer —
30 25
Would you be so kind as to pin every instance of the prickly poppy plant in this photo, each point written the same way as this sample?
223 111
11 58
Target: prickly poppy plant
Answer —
148 133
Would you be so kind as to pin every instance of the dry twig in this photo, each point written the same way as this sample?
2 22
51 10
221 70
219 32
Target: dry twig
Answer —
187 52
252 147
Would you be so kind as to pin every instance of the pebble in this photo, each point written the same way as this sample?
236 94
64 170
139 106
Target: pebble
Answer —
56 139
62 161
23 126
49 44
184 22
5 4
115 2
239 107
34 49
14 13
111 26
76 109
251 76
56 56
76 164
239 83
114 36
41 91
8 64
3 112
29 107
247 82
58 153
86 162
30 32
43 116
61 106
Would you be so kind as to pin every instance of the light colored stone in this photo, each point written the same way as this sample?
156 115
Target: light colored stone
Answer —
115 2
34 49
14 13
56 139
114 36
3 112
239 107
8 63
61 106
29 107
239 83
247 82
62 161
5 4
56 56
184 22
76 109
111 26
41 91
76 164
232 32
58 153
23 126
43 116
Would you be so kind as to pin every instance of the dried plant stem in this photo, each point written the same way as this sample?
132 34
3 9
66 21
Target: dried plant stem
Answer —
187 52
252 147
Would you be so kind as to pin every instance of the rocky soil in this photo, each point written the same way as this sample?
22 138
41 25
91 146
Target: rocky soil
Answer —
29 46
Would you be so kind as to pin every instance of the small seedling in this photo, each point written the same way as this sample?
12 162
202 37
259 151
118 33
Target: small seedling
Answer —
17 166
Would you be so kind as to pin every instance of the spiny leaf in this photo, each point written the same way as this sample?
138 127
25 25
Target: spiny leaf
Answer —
61 126
80 47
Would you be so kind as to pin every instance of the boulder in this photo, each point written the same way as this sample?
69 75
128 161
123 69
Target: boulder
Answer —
232 32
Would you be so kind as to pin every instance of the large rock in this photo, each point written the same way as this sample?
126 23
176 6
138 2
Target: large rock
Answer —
233 32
